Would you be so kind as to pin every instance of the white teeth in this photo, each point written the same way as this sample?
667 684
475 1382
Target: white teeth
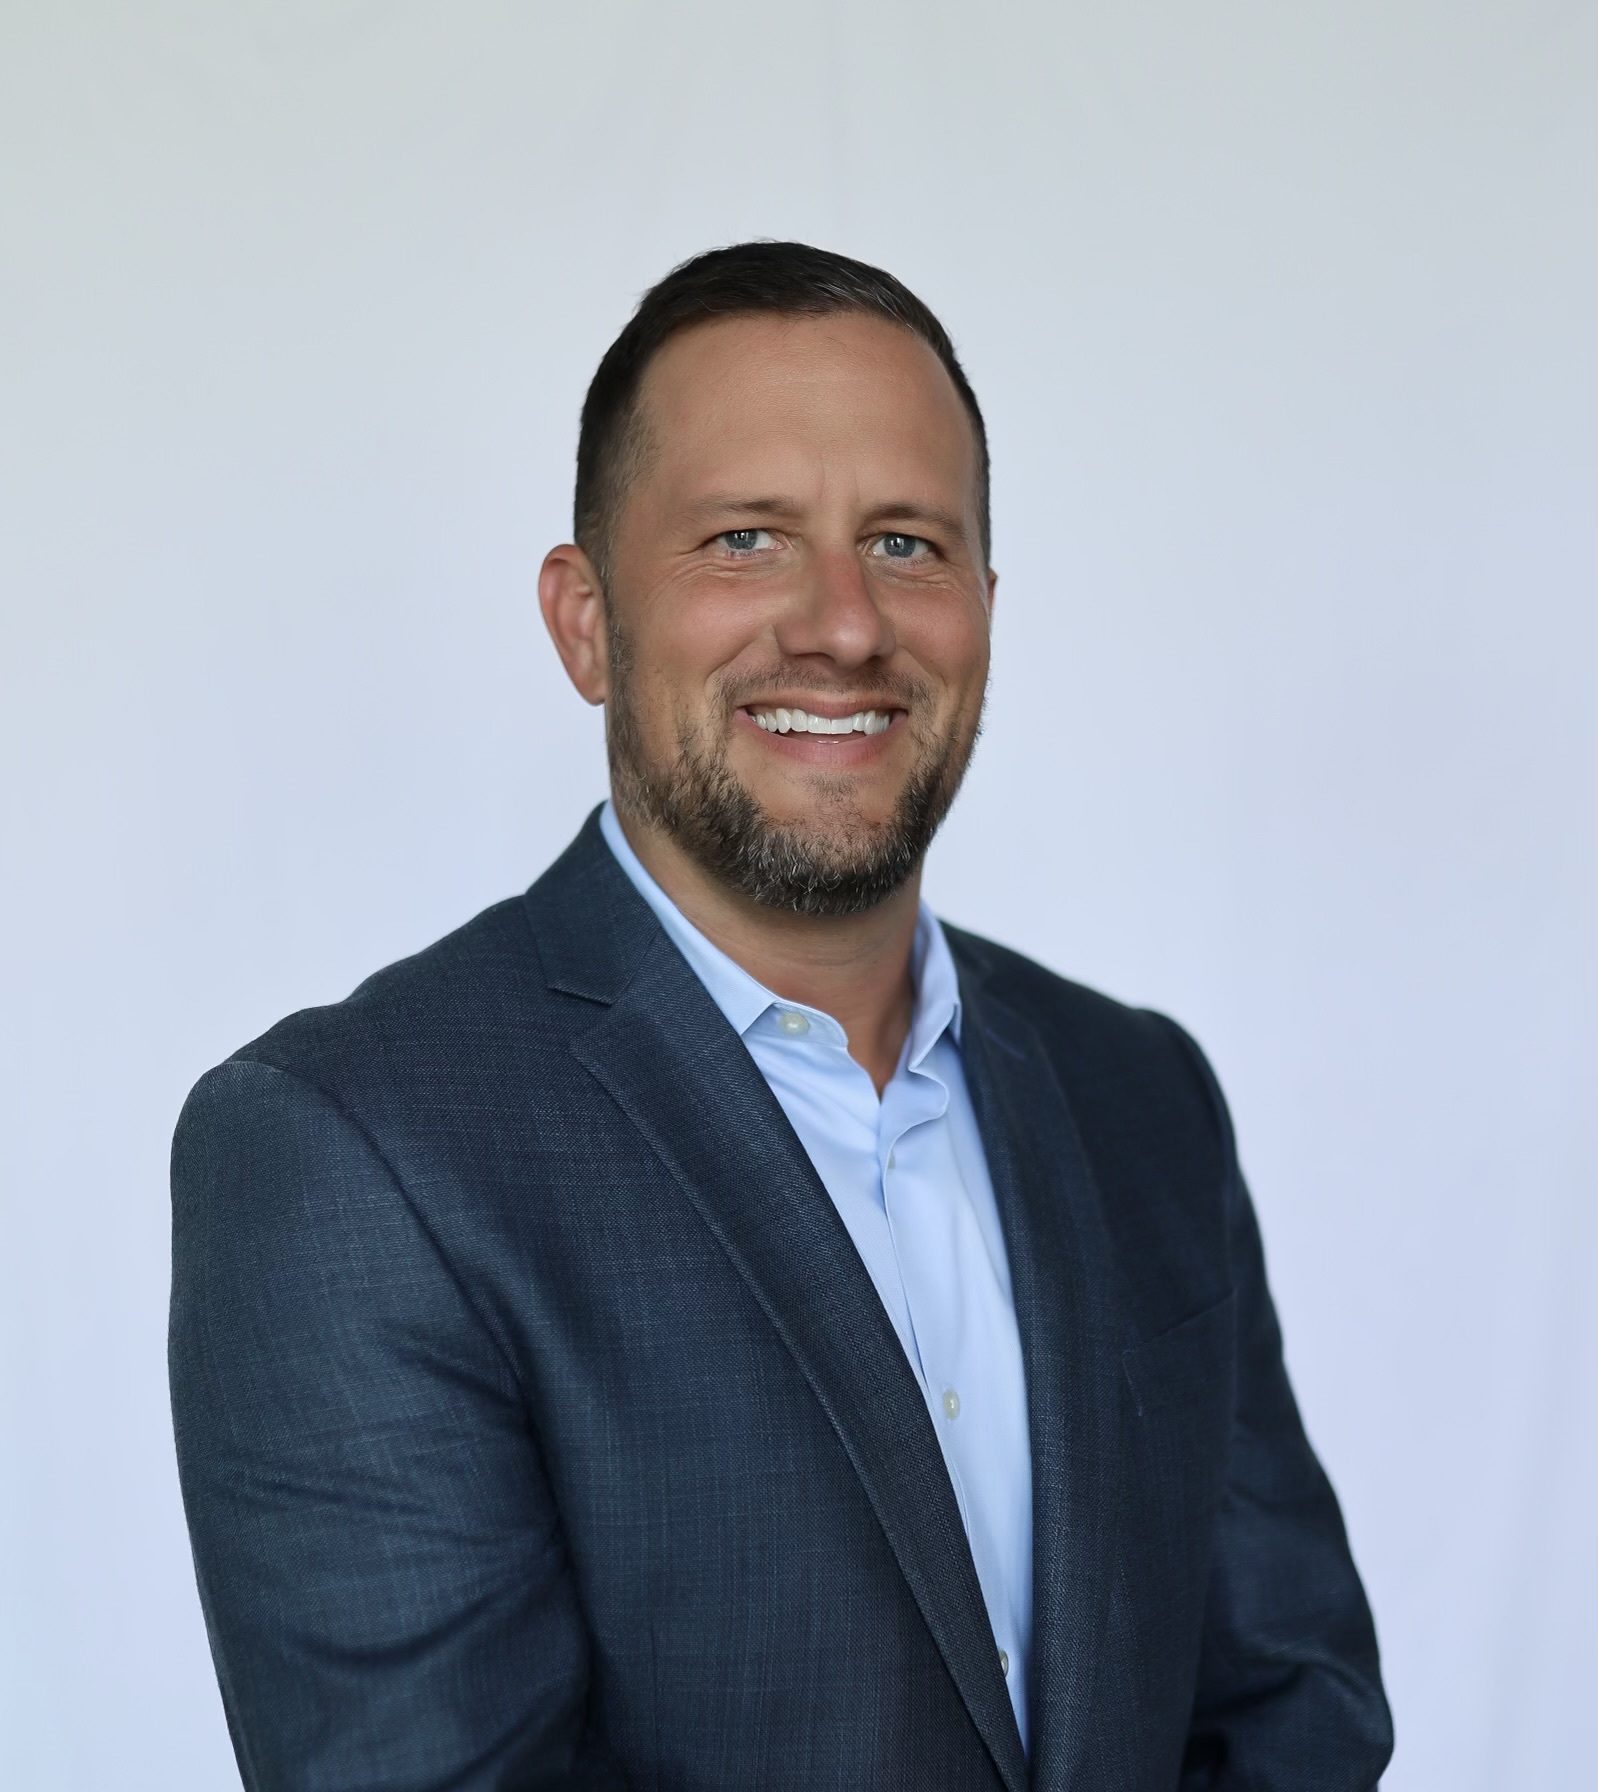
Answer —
798 721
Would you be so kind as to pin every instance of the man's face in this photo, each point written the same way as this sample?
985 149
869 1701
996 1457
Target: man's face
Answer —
802 537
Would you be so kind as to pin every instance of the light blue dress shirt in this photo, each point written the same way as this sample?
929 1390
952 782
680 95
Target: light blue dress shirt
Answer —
909 1178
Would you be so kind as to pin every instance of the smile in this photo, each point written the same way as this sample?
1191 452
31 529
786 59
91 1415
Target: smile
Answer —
799 721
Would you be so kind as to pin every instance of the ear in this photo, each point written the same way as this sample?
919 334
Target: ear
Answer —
993 588
570 595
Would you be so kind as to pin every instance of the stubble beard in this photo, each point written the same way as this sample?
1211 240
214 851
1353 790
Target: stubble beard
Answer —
699 801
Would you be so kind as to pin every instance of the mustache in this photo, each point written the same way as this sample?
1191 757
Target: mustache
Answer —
899 691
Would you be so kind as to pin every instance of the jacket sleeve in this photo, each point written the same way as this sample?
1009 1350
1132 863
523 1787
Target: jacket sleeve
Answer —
1289 1695
380 1565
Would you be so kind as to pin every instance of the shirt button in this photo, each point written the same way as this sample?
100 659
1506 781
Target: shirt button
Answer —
793 1024
1004 1662
951 1403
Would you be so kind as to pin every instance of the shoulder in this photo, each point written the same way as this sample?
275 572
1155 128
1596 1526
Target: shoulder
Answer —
1067 1011
403 1027
1112 1056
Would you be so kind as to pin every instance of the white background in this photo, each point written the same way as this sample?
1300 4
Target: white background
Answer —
1283 320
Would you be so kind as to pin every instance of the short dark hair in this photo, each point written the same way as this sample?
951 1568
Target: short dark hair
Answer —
785 279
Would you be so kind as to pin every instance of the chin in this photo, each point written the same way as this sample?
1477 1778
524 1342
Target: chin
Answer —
829 824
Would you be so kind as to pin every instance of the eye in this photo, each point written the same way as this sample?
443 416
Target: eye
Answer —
741 543
902 547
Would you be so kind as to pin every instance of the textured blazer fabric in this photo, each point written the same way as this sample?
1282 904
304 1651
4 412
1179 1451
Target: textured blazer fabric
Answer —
539 1426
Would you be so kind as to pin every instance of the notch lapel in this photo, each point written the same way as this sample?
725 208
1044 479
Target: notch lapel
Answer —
686 1081
1071 1324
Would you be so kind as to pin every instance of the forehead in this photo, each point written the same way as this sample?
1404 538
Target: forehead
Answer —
790 401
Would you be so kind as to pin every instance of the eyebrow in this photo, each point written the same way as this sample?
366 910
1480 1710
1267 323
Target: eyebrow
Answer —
910 512
720 504
728 504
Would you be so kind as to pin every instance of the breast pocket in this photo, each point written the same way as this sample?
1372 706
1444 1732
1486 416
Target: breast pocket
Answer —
1189 1367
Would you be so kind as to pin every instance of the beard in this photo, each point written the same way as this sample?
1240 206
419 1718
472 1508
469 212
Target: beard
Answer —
840 864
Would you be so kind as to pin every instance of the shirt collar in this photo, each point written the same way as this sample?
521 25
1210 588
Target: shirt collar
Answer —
744 999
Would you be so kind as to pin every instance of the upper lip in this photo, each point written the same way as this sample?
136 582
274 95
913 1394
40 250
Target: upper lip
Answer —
830 707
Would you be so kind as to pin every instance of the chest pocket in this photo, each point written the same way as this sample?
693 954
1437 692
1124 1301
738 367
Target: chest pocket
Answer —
1188 1367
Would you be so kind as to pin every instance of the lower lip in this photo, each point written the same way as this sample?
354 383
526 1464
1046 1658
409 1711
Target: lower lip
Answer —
829 750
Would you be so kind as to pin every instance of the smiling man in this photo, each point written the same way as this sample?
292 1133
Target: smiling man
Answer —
703 1323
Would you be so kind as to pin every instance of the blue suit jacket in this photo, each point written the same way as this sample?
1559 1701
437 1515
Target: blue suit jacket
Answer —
539 1425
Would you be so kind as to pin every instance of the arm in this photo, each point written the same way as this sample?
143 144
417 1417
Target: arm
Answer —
379 1560
1289 1695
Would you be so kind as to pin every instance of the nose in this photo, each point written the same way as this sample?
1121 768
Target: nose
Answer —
835 612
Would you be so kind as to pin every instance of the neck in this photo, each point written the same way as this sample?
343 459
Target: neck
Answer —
854 967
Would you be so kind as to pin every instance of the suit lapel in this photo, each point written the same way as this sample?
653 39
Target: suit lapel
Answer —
684 1078
1070 1320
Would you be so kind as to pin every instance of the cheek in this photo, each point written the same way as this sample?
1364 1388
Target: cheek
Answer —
676 672
952 643
689 634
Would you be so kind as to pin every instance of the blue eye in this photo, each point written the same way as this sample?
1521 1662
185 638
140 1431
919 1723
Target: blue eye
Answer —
745 541
901 547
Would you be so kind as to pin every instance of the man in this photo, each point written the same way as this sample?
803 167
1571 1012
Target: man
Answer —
702 1324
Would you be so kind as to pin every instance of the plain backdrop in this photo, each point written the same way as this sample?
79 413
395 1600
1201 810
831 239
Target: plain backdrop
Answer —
1283 317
